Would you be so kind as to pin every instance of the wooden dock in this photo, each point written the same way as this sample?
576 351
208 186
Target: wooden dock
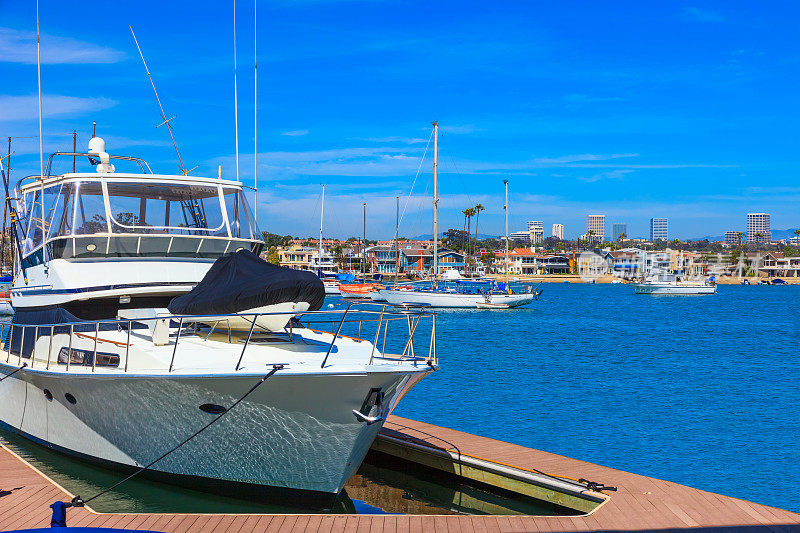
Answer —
641 503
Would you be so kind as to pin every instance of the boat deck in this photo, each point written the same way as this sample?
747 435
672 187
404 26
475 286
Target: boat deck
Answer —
641 503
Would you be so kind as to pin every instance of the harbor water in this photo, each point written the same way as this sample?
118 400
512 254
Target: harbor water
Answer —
699 390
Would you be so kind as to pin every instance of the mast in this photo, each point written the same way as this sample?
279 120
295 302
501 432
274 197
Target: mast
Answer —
5 210
166 121
255 124
74 148
41 145
505 208
435 202
364 243
396 241
235 94
321 215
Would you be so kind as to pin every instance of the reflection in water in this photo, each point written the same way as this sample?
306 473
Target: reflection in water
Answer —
382 485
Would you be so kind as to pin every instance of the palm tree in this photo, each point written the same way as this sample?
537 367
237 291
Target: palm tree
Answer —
739 236
622 237
465 212
478 208
796 235
470 213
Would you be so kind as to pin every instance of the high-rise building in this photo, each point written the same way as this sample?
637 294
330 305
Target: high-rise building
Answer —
596 228
618 229
659 229
732 237
758 229
558 231
536 229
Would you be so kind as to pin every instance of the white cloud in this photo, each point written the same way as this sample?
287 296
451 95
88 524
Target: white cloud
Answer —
613 175
566 159
26 107
20 47
295 133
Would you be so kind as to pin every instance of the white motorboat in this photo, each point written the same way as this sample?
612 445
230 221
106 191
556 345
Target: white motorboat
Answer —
331 285
444 297
106 369
666 283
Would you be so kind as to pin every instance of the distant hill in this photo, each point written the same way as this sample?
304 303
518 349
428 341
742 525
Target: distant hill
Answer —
777 234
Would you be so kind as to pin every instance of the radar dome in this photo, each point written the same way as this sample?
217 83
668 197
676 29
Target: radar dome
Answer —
96 145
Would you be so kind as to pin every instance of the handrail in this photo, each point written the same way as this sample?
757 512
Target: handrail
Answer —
411 314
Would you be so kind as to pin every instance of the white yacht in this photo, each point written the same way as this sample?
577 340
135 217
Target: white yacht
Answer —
142 312
675 284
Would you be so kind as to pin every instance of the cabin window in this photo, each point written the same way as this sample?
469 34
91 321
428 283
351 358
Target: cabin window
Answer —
61 213
89 211
165 208
239 215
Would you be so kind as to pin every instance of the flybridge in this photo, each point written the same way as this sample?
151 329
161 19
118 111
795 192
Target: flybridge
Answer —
108 214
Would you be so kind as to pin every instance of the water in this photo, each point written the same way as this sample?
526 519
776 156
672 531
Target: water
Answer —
699 390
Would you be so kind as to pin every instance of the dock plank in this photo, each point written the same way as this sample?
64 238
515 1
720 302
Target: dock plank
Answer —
641 503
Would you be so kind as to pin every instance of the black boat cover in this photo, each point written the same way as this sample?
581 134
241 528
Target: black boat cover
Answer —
242 281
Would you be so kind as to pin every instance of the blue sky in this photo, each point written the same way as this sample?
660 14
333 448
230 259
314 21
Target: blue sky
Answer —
680 110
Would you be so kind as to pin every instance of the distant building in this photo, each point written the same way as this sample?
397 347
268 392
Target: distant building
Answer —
618 229
659 229
732 237
596 227
523 236
536 231
758 228
558 231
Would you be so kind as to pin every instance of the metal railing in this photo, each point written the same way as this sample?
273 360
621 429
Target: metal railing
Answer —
76 343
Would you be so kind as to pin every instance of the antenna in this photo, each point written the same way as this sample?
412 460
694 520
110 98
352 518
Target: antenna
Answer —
41 145
255 116
235 94
166 121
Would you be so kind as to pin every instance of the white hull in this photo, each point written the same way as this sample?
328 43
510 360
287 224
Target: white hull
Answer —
453 299
296 431
331 287
667 288
6 308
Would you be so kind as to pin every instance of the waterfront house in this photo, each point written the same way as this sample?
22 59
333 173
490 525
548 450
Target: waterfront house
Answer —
382 258
776 264
624 263
297 257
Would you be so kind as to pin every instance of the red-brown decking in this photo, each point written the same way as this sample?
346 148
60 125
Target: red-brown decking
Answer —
641 503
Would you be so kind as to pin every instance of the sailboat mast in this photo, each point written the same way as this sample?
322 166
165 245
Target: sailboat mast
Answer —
396 241
41 145
235 95
255 116
505 208
321 215
435 202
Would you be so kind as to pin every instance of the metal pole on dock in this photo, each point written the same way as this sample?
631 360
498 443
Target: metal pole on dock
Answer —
396 241
505 208
435 202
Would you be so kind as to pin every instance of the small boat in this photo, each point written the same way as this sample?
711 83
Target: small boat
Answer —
489 304
673 284
359 290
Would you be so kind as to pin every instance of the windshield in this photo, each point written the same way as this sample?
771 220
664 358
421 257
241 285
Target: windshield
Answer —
175 209
239 215
120 207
